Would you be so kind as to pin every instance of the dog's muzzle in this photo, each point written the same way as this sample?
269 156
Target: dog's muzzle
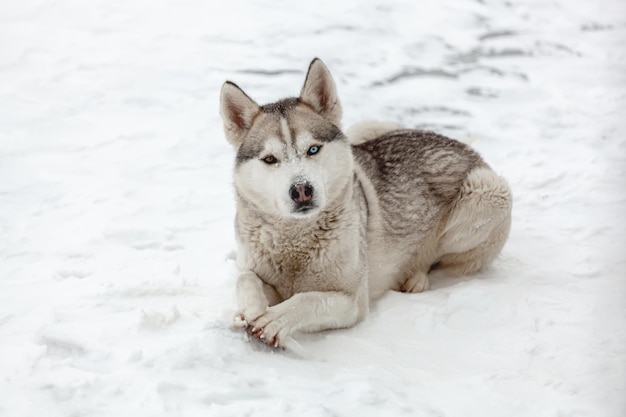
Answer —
301 193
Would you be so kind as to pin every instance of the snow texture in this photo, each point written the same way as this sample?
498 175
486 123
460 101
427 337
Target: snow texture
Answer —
116 207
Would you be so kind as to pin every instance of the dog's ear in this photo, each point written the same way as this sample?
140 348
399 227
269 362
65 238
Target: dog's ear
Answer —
238 111
319 92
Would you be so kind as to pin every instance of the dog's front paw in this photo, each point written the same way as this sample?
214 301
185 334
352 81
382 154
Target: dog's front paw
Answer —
239 322
245 318
272 328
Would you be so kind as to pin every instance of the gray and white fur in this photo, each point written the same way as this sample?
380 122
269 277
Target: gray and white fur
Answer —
327 222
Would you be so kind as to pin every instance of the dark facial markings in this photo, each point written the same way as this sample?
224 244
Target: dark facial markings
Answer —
300 119
250 149
326 132
281 107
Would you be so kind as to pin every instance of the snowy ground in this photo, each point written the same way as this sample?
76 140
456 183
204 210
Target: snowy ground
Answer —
116 209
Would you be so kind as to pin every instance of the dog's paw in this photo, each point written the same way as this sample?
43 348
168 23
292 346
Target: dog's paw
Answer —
417 283
244 319
272 328
239 322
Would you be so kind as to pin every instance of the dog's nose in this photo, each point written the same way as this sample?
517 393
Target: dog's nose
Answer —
301 192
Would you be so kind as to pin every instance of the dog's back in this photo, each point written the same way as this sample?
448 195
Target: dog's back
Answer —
413 181
417 175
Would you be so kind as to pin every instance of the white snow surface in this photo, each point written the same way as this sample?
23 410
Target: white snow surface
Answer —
116 207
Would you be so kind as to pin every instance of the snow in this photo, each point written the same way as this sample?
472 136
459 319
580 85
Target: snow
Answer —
116 207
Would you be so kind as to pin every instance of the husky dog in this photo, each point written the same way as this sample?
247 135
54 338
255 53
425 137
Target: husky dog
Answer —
328 222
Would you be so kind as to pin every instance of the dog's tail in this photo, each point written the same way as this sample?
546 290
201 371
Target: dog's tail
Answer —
367 130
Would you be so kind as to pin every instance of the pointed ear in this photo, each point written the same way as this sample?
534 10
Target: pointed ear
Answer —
238 111
320 93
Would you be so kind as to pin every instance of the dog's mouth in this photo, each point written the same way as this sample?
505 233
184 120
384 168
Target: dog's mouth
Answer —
304 208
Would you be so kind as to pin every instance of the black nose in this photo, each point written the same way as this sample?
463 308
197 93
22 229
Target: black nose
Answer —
301 192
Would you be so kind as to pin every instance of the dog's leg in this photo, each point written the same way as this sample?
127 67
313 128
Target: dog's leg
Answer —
308 311
418 282
253 298
478 225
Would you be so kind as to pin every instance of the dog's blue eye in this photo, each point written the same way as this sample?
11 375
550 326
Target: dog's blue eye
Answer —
313 150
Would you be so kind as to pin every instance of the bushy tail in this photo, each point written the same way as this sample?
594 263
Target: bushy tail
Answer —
367 130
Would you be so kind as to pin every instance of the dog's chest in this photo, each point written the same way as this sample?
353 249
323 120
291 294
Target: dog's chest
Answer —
286 251
293 259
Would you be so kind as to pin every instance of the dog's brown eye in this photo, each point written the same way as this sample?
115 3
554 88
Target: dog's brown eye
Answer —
270 159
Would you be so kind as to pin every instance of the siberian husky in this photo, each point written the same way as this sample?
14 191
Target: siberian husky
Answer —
328 222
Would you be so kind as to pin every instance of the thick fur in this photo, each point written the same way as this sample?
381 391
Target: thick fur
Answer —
326 222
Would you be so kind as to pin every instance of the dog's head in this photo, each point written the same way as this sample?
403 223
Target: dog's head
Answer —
292 158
